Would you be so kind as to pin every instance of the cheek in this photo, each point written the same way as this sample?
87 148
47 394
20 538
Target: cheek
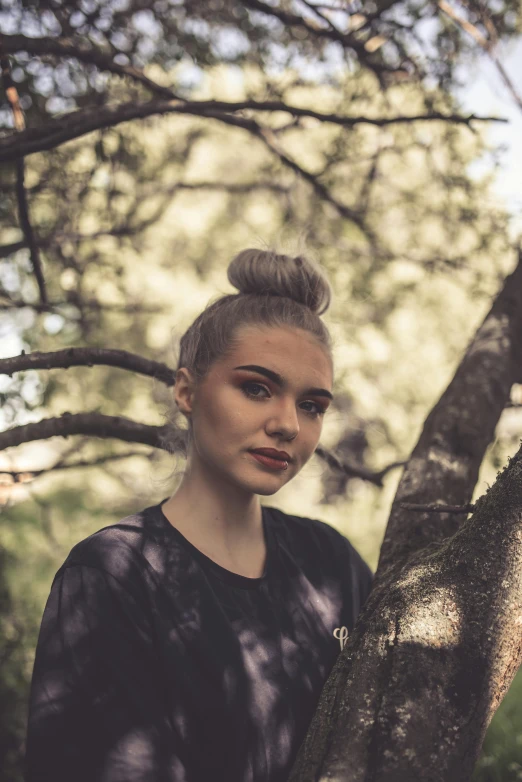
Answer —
311 434
225 414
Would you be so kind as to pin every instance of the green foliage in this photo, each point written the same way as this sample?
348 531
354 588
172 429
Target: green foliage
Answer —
35 538
14 641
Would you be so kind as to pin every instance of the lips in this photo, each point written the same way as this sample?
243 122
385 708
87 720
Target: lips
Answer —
264 457
272 453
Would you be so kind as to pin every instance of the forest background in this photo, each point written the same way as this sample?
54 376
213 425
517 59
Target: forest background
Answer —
128 229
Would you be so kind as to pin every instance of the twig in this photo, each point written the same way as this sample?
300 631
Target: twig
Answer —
356 470
464 24
92 424
88 357
63 47
92 304
82 121
25 222
17 304
517 97
23 207
11 92
486 45
436 508
8 249
67 128
22 476
268 137
317 11
313 28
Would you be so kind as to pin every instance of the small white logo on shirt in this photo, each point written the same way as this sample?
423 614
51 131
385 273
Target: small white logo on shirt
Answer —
341 633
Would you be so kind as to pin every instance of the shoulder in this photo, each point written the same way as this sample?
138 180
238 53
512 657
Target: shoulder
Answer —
316 547
314 536
117 549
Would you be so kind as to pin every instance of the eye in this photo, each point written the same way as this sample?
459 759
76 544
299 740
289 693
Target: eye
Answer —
317 411
254 391
247 390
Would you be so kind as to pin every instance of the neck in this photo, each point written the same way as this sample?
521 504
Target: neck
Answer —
211 510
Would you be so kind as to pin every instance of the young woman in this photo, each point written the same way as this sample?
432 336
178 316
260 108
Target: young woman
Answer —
190 641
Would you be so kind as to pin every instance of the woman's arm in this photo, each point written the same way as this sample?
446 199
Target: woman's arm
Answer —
97 708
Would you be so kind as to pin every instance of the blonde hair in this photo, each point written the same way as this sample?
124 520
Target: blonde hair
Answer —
274 290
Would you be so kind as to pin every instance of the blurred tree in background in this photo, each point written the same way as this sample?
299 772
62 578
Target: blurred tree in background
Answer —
329 128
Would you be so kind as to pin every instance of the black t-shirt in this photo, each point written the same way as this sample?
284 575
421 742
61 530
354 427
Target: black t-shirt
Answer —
155 664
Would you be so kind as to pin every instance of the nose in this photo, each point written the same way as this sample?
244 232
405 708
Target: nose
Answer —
284 421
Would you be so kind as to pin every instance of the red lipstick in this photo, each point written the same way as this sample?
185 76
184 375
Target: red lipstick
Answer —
270 457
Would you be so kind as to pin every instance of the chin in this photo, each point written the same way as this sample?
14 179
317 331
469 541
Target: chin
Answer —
264 485
249 478
264 491
268 484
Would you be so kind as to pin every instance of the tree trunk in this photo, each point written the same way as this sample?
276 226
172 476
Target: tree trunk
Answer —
440 638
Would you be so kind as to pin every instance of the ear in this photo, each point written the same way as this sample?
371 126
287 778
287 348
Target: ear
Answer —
184 391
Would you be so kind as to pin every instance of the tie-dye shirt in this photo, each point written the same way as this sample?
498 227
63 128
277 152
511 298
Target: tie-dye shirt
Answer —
156 664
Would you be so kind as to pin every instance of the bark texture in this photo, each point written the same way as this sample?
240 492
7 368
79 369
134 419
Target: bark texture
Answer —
440 638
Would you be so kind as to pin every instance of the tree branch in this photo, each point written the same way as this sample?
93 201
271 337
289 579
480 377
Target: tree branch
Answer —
332 33
78 123
25 223
88 357
355 470
82 121
11 92
81 304
270 141
438 508
23 207
7 249
65 47
22 476
486 45
445 463
229 187
92 424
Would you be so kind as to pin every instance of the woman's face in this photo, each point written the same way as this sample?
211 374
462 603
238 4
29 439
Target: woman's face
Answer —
280 405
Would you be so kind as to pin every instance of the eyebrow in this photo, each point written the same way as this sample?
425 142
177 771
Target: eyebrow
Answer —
280 380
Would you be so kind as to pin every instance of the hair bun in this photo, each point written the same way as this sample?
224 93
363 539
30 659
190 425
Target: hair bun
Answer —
267 272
